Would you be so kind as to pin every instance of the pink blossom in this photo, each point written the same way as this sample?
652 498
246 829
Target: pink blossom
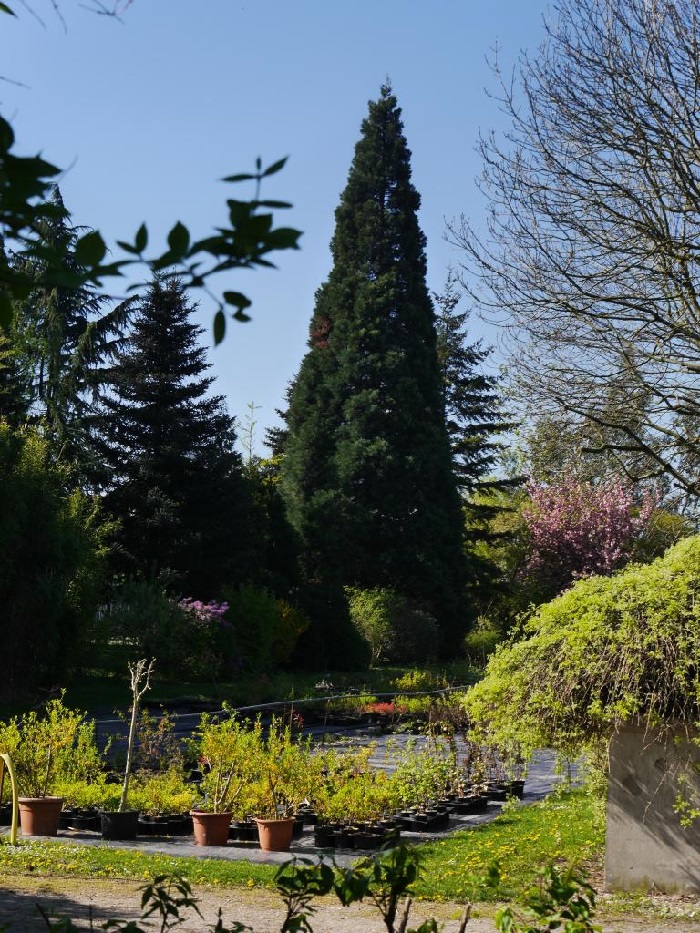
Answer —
579 528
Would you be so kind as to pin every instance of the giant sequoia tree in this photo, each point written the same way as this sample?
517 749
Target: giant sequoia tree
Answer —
172 477
367 471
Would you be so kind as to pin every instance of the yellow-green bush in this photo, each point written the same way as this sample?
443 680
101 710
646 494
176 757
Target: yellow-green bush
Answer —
609 650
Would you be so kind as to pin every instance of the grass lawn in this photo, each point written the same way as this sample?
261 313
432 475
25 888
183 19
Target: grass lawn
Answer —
567 828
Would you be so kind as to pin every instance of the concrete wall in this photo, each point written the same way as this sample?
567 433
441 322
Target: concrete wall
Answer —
646 847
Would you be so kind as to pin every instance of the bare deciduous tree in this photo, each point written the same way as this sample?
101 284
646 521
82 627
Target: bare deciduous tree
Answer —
592 249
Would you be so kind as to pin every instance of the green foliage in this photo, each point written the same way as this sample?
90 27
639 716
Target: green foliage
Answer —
299 881
418 679
226 749
14 384
284 771
53 551
265 630
50 748
481 642
246 770
58 336
559 899
25 183
85 794
169 471
394 629
607 651
503 592
366 470
384 879
331 642
151 624
163 793
423 775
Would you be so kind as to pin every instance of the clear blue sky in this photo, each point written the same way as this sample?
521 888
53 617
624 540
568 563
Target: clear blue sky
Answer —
147 113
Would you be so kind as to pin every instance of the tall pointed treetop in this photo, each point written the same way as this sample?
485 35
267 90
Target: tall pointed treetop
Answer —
367 470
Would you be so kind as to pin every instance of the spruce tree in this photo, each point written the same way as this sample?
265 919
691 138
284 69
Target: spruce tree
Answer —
173 480
475 418
475 423
366 471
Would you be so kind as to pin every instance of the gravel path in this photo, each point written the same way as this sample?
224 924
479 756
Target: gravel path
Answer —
260 910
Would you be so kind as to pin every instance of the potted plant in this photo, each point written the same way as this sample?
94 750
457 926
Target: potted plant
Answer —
122 823
226 750
45 749
285 778
165 799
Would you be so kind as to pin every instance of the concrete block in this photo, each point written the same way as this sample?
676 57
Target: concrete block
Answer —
646 847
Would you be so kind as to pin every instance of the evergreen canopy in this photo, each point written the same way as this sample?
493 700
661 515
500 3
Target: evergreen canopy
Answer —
366 472
172 477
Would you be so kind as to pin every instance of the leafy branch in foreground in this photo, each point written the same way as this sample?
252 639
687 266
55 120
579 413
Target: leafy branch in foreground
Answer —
25 183
559 899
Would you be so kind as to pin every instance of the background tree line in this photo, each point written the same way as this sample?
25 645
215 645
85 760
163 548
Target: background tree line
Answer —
388 487
363 492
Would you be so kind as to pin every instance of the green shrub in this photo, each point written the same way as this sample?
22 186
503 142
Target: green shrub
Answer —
331 642
50 748
265 630
292 625
163 794
481 642
52 549
417 681
609 650
187 646
394 629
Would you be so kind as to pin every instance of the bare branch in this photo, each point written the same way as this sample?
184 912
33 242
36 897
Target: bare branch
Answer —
591 256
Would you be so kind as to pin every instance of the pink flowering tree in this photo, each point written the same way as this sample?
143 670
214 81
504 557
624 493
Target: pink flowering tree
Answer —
578 529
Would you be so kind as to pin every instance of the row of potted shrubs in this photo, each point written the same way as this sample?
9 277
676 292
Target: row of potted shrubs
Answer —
230 771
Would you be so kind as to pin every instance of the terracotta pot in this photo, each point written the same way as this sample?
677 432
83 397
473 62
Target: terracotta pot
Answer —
38 816
210 829
275 835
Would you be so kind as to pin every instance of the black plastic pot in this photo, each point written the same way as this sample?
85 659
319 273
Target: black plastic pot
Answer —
324 836
120 826
502 790
474 803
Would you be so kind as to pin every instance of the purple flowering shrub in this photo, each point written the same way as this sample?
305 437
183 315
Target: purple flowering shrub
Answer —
205 612
214 653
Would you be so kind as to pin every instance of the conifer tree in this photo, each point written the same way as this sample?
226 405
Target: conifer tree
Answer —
475 423
14 388
475 420
56 337
366 471
172 477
